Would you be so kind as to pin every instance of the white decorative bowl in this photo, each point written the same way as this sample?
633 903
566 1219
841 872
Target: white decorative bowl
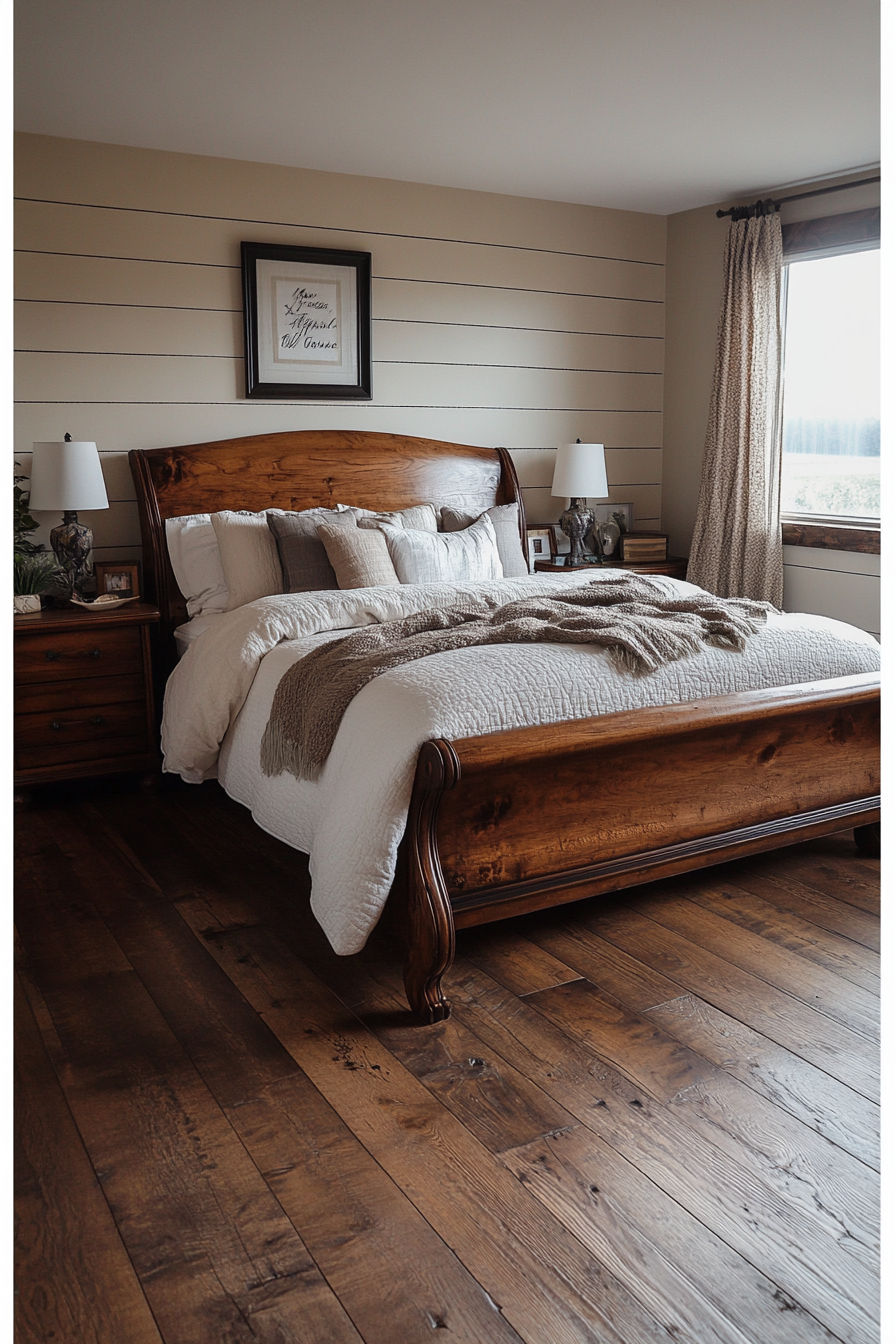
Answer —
106 602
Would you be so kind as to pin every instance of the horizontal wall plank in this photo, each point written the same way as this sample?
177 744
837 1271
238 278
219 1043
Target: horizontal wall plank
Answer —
157 331
515 308
77 170
147 425
138 330
101 232
68 279
180 378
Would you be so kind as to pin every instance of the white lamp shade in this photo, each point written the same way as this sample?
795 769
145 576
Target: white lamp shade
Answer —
66 477
580 472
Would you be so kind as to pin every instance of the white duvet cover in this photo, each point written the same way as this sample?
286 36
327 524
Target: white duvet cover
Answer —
351 820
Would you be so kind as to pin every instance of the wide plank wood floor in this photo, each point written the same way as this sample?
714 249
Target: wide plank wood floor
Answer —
651 1118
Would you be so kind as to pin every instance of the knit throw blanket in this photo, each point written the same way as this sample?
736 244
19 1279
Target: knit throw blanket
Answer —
639 626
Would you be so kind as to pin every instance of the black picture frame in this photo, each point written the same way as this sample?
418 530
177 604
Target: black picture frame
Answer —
342 306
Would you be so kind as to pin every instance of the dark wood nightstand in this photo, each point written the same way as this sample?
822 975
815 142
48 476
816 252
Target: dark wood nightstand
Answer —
675 567
83 694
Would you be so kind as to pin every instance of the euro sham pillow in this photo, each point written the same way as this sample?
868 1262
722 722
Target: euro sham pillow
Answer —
303 562
444 557
506 521
196 561
248 556
360 558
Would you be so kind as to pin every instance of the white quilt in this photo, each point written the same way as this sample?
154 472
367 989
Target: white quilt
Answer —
351 820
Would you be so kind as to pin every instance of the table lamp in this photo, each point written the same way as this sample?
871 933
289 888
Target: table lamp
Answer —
580 473
67 476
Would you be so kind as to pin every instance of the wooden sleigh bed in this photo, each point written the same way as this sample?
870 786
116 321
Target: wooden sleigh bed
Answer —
529 818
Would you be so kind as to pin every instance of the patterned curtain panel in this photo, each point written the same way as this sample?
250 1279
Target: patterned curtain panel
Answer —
736 551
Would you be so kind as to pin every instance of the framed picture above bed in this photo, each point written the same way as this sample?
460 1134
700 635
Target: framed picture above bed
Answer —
306 313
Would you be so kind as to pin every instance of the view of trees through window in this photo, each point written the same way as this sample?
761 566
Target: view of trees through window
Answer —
831 429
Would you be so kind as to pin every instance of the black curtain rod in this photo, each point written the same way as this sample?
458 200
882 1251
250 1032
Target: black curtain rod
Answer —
763 205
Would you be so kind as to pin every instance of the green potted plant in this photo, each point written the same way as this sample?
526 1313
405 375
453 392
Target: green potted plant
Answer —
33 573
35 570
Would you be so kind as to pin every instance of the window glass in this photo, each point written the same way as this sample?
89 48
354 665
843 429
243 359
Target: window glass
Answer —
831 409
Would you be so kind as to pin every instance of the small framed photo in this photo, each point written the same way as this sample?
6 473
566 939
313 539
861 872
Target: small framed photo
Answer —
306 317
562 544
541 544
117 578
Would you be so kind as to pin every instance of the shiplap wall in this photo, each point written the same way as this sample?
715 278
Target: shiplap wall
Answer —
496 320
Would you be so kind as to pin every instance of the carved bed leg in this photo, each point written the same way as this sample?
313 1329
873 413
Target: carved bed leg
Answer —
867 840
428 923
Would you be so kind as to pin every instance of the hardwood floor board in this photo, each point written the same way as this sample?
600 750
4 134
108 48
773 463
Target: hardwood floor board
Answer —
545 1283
513 960
823 1104
74 1281
787 930
631 1043
832 865
216 1256
836 1049
792 1251
395 1276
815 986
828 1185
701 1288
818 908
236 1054
612 970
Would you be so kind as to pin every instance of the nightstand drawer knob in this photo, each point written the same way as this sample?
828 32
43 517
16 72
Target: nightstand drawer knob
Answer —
97 719
52 656
94 653
56 726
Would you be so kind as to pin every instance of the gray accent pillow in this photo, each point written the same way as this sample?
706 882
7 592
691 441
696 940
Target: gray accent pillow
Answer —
303 556
506 522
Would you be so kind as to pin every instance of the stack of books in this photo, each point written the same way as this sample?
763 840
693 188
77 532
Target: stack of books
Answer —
643 546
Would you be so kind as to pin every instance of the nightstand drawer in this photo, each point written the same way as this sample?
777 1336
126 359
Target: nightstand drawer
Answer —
93 733
57 696
78 653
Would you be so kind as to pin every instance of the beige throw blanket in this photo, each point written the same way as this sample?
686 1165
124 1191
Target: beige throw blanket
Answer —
639 626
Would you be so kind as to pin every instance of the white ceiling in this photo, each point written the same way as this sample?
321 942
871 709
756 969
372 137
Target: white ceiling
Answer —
656 105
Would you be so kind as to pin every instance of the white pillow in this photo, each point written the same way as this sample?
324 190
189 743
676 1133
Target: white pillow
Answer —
248 555
439 557
196 560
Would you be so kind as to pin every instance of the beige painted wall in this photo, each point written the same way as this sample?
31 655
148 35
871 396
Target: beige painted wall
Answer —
820 581
496 320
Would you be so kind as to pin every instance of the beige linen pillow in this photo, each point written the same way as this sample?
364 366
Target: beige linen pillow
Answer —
440 557
248 556
506 520
360 558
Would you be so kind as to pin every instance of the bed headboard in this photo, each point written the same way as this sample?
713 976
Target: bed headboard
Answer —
301 469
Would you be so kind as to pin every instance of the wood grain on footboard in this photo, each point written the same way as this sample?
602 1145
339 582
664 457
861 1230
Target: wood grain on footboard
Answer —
533 817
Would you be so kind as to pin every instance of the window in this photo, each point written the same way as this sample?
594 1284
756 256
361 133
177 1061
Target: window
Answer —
830 466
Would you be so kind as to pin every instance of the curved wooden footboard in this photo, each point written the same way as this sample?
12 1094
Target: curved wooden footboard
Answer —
534 817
